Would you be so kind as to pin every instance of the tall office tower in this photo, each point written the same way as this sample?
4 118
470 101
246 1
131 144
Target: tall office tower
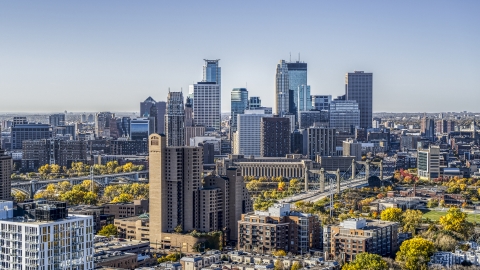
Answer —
321 141
83 118
358 87
344 115
297 76
123 126
41 235
352 148
102 124
22 132
140 129
274 136
175 119
206 104
175 178
428 163
90 118
19 120
156 111
307 119
212 72
5 173
321 102
188 112
304 99
282 89
239 99
57 119
248 132
254 102
428 128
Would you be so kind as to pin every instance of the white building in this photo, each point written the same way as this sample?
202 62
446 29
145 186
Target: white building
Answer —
428 163
206 104
248 132
38 240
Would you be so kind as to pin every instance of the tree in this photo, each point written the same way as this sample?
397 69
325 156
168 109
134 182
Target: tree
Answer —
366 261
108 230
456 221
445 242
415 253
279 253
411 219
281 186
432 203
392 214
19 196
252 185
172 257
123 198
178 228
278 265
296 266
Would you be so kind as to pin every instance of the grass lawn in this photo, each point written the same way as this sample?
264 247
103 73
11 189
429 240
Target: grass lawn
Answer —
435 215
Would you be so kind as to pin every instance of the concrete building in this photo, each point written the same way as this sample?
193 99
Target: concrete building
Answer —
355 236
254 103
57 119
175 119
352 148
23 132
428 163
134 227
5 175
321 102
206 104
41 235
307 119
102 124
36 153
191 132
320 141
359 87
123 210
274 136
279 228
248 135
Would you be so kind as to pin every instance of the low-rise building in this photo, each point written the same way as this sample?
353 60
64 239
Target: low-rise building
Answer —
355 236
279 228
123 210
135 228
116 259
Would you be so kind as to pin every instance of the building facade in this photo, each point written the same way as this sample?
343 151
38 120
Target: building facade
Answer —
5 176
274 136
247 136
206 104
23 132
282 88
321 102
344 115
175 119
36 153
359 87
57 119
321 141
428 163
239 103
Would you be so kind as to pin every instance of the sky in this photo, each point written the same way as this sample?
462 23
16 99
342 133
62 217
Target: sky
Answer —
111 55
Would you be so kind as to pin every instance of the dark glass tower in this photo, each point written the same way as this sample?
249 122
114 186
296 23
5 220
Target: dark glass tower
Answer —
358 87
239 103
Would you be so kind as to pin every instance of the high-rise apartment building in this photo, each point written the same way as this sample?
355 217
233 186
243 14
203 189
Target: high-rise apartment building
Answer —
5 175
279 228
239 103
179 200
212 72
254 102
355 236
358 87
247 136
321 141
56 119
297 81
344 115
321 102
206 104
22 132
282 88
428 163
175 119
41 235
274 136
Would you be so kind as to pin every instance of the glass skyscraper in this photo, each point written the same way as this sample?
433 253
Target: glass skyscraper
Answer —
140 129
281 89
212 72
358 87
239 99
344 115
297 76
304 99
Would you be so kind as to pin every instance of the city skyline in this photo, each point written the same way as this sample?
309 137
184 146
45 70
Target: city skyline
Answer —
83 54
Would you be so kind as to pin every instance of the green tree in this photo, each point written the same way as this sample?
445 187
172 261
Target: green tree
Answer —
366 261
391 214
172 257
411 220
456 221
108 230
415 253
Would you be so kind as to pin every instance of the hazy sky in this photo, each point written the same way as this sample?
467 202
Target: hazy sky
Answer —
110 55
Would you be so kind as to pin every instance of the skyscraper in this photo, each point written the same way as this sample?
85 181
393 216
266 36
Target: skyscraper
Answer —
254 102
212 72
206 105
320 141
358 87
274 136
282 89
304 99
140 129
174 119
155 110
239 99
428 128
5 173
102 124
57 119
297 76
321 102
344 115
248 133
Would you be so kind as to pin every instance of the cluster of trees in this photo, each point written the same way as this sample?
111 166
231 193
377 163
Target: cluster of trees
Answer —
284 189
87 193
172 257
108 230
410 220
